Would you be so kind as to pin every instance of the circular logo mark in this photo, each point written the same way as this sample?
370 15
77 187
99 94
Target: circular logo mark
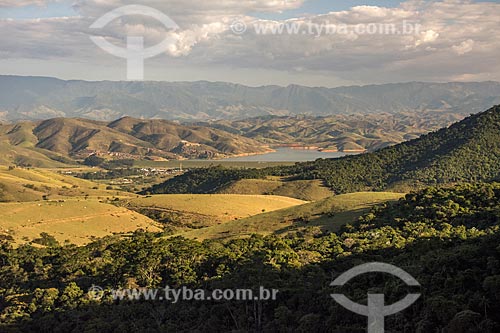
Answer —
376 310
96 293
135 53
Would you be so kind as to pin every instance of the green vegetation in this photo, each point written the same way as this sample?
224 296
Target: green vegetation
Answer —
447 238
205 180
190 164
218 228
309 190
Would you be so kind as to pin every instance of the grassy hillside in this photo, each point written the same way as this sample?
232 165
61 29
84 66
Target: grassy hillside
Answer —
77 221
328 215
54 142
197 211
18 146
22 184
34 201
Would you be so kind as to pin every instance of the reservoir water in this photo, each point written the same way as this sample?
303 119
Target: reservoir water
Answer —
287 155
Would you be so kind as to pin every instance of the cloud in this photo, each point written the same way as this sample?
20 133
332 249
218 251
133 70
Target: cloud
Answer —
22 3
191 10
464 47
428 36
447 31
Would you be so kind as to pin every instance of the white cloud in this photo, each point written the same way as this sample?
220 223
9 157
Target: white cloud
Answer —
448 29
464 47
428 36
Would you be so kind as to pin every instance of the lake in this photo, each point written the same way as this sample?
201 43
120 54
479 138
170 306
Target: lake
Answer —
287 155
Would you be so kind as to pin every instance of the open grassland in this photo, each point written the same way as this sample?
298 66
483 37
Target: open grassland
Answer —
201 210
328 215
21 184
26 154
76 221
308 190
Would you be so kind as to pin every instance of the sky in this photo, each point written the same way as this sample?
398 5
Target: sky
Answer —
258 42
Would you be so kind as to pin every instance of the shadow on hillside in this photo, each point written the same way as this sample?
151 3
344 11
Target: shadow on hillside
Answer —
459 294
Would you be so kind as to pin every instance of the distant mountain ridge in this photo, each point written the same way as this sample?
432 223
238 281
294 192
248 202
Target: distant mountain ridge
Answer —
339 132
33 98
66 140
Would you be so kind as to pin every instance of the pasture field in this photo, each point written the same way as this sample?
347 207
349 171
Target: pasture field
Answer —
202 210
227 206
328 215
77 221
23 184
77 211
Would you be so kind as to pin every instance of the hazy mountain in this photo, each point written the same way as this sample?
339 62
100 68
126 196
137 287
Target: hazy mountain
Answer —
30 98
64 140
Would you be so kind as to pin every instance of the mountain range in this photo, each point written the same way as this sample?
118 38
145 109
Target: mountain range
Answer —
368 132
59 141
467 151
34 98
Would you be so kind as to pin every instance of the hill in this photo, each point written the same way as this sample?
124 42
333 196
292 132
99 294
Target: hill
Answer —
467 151
340 132
185 212
23 185
30 98
36 201
308 190
58 141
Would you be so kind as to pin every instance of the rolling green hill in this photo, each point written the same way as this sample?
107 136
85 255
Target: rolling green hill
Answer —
467 151
181 212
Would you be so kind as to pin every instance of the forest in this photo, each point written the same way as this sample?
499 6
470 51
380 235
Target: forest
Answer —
446 237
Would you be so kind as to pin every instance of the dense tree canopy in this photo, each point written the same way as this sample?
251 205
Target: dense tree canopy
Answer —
447 238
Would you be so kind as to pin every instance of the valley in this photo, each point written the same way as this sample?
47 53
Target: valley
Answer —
428 204
249 166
